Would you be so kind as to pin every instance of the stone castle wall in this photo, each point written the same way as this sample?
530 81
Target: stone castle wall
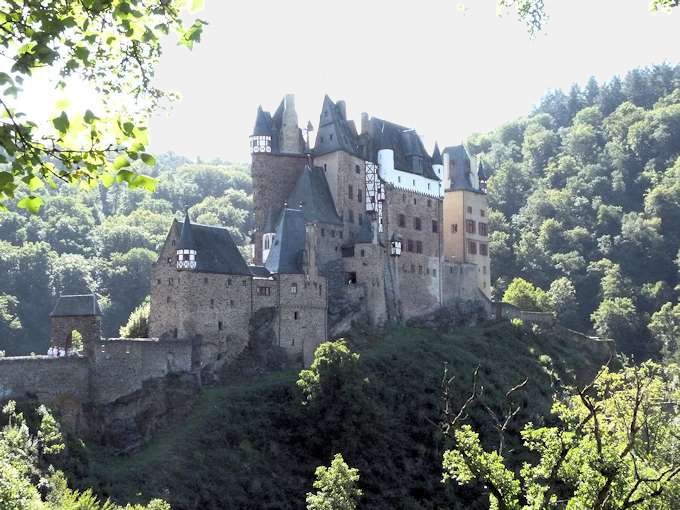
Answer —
62 383
274 177
459 281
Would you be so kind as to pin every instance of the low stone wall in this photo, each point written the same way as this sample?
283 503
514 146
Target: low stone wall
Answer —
61 383
120 366
508 311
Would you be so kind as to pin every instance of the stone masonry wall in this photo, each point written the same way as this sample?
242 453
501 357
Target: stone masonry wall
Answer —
459 281
164 315
61 383
368 264
274 177
417 274
88 326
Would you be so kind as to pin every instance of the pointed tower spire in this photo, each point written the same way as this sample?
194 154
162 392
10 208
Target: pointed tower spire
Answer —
261 139
186 248
437 155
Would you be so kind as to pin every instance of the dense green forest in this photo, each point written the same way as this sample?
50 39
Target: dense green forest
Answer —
104 240
586 196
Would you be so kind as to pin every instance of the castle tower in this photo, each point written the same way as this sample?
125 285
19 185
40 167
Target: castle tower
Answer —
71 313
278 159
465 229
437 162
186 248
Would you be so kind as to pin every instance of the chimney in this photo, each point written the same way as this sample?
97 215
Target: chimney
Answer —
364 123
342 108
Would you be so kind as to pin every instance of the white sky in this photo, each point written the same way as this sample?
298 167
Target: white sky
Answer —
420 63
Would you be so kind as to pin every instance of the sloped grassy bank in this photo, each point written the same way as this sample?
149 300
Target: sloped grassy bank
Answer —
253 445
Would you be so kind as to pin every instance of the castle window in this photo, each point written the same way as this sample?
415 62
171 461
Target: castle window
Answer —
435 226
332 233
295 317
414 201
167 299
170 282
231 302
350 216
219 325
454 228
482 213
414 182
434 273
483 229
293 288
212 303
398 178
350 277
362 253
357 169
323 232
264 291
174 333
427 270
483 269
324 165
320 289
470 226
173 242
483 249
359 196
417 224
340 233
420 269
321 141
419 247
472 247
245 283
228 282
170 260
402 220
158 281
429 202
469 209
205 280
350 190
409 245
428 187
403 197
330 137
361 219
451 270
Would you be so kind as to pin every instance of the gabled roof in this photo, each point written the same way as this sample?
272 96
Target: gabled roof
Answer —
260 271
216 251
335 132
405 143
286 254
78 305
460 172
263 123
312 195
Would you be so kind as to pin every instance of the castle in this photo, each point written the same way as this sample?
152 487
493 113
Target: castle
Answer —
363 225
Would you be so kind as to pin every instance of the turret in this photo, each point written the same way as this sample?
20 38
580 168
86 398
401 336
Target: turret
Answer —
81 313
186 248
437 162
261 139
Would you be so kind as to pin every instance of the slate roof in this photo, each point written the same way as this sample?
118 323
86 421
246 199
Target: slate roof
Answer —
312 195
460 173
286 254
405 143
260 271
263 123
186 238
333 122
77 305
436 155
216 251
481 173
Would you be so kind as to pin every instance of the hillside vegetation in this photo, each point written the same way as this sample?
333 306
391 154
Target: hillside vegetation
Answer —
586 193
105 240
254 445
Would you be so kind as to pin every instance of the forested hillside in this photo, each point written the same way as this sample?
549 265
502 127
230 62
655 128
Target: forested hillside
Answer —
586 192
105 240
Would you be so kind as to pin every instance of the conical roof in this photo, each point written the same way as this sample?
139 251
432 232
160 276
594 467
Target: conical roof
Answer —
263 123
186 238
286 254
436 155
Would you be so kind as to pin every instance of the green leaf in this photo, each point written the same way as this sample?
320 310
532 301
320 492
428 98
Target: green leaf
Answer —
33 182
148 159
144 181
121 162
107 180
61 123
125 176
5 78
89 117
5 179
31 204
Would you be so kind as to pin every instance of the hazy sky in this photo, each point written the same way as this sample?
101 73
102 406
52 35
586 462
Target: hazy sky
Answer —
420 63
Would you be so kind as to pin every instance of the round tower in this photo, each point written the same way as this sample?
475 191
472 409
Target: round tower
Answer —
186 248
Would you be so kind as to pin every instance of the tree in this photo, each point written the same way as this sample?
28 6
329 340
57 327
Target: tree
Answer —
336 487
665 327
27 481
111 45
614 447
562 299
138 324
525 296
617 318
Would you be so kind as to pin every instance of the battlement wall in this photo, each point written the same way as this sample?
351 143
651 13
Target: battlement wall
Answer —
120 366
